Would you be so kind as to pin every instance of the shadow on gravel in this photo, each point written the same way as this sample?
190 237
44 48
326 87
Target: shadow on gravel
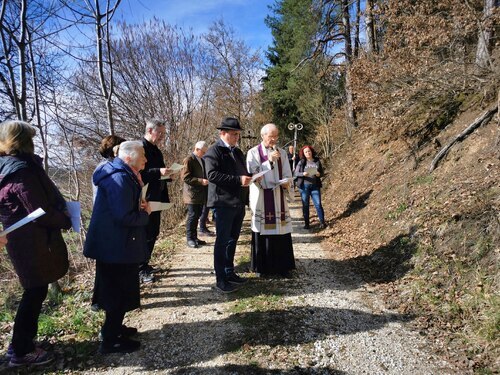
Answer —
256 370
387 263
242 331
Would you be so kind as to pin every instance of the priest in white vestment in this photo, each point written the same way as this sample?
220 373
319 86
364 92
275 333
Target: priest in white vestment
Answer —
272 248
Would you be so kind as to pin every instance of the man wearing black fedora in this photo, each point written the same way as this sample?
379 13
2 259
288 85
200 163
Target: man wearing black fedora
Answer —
227 195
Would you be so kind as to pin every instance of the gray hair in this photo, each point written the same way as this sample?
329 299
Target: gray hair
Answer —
154 124
200 145
267 128
130 149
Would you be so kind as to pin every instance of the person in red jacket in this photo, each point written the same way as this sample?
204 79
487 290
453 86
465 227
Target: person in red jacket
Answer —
37 249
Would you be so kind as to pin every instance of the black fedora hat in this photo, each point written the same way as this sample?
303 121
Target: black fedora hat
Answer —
230 123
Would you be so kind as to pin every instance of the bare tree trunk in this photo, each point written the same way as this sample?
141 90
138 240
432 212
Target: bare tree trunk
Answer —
486 29
351 116
22 61
36 101
356 34
9 81
371 37
106 94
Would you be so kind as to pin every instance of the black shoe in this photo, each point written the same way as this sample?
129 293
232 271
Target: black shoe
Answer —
306 226
200 242
145 277
192 244
127 332
322 226
235 279
225 287
205 232
120 345
152 269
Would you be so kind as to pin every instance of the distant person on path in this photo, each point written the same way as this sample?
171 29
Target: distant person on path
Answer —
116 239
37 249
194 192
227 194
310 185
272 249
293 157
107 151
157 188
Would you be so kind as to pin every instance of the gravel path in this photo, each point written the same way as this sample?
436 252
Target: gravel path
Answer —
324 320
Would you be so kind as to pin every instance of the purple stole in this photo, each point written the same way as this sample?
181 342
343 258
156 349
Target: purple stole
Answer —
269 211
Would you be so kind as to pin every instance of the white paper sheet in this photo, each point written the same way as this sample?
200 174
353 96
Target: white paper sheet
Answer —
257 175
159 206
311 171
74 209
176 167
282 182
144 191
32 216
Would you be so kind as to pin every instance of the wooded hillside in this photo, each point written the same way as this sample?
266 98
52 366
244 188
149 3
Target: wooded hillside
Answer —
381 87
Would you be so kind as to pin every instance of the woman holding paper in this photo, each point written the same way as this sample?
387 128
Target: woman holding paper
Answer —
272 249
36 249
116 239
309 172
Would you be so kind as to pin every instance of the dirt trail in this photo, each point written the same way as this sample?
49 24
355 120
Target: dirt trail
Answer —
322 321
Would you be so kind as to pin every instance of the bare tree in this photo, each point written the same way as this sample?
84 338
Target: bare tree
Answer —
13 21
100 16
357 29
486 31
234 71
351 115
371 37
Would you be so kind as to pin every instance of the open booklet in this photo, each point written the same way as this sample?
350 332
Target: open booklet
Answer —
257 175
155 206
175 167
311 171
28 219
282 182
74 210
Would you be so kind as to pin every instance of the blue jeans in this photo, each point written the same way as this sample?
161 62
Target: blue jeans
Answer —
313 191
228 221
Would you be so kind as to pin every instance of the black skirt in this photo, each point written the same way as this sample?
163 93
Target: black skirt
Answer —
117 287
272 254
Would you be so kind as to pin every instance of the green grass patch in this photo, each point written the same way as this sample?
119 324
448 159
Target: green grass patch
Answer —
424 180
397 212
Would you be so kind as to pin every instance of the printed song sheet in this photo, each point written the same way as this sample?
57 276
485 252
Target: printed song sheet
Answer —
32 216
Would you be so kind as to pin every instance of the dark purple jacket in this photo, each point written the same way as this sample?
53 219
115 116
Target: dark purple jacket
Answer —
37 249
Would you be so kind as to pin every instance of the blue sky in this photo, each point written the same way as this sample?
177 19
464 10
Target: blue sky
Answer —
246 17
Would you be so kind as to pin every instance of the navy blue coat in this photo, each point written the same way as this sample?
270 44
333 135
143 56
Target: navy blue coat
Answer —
117 230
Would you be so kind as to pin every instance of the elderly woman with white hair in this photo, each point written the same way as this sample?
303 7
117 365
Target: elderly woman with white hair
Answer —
272 248
116 239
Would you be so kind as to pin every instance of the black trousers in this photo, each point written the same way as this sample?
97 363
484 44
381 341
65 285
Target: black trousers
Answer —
203 218
152 232
111 328
193 215
26 321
